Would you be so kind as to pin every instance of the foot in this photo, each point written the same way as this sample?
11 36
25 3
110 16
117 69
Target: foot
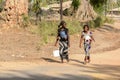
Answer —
85 62
88 61
61 61
67 60
61 58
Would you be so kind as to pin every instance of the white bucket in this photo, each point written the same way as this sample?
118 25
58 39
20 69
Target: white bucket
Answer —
56 53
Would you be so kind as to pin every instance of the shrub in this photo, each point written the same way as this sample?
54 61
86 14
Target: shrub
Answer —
108 20
25 22
99 21
48 29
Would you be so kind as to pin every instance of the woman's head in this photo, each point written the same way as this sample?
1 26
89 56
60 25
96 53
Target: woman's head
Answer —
62 24
86 28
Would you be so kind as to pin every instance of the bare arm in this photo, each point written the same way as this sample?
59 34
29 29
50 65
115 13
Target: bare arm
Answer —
56 41
92 38
57 38
68 39
81 39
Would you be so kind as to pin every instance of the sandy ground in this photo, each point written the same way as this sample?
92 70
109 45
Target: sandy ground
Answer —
18 44
105 66
21 60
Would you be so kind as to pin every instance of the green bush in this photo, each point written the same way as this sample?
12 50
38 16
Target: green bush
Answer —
108 20
99 21
74 26
25 22
75 4
48 29
98 5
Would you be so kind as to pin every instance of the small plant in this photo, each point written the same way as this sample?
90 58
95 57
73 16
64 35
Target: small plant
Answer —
48 29
74 26
98 22
1 5
108 20
25 22
75 4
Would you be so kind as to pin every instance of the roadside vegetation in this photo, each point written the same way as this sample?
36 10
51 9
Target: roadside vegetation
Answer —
48 29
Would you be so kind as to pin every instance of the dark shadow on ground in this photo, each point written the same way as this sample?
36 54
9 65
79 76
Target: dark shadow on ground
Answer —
111 70
31 76
50 60
74 60
108 28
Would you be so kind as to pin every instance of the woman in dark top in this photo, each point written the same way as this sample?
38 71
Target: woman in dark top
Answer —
64 43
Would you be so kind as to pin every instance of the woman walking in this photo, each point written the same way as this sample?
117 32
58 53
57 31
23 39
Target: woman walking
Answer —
87 37
64 43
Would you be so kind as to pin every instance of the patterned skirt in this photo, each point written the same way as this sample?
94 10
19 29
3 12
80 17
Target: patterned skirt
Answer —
63 49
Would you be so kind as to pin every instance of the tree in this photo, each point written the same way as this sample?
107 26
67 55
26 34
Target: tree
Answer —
61 10
85 12
118 2
30 5
75 4
36 5
98 5
1 1
37 9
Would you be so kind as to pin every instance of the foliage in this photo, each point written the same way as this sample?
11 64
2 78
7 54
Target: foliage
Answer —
73 26
36 5
25 22
98 5
48 29
75 4
1 5
118 2
99 21
108 20
29 1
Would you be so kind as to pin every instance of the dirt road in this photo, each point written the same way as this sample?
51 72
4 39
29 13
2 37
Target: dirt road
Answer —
105 66
22 60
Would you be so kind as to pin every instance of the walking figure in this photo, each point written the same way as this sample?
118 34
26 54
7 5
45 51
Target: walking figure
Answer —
87 37
64 43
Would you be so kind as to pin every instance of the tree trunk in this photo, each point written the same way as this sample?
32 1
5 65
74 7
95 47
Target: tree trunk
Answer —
61 10
14 11
85 12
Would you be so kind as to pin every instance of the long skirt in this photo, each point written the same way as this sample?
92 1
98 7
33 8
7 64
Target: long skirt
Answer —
63 49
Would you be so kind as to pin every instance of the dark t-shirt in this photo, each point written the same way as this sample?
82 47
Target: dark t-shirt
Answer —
63 34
